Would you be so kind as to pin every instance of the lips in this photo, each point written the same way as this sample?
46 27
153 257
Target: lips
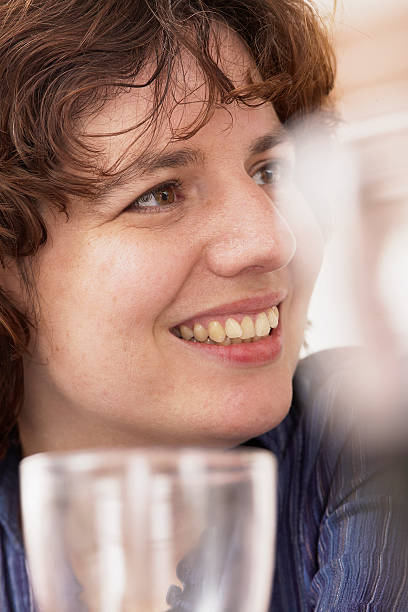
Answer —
251 352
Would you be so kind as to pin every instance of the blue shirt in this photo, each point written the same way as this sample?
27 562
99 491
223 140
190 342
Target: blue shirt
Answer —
340 544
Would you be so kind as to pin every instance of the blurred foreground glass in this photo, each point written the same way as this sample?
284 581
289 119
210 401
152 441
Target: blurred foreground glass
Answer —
357 183
378 263
150 530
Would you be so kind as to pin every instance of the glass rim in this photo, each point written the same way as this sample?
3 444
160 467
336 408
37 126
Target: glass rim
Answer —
93 459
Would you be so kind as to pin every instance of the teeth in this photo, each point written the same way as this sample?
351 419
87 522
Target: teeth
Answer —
273 317
262 327
216 331
248 328
234 332
200 333
186 332
233 329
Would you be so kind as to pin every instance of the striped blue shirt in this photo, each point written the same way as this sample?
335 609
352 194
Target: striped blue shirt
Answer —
340 543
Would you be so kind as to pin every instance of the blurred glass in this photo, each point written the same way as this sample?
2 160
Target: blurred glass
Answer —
378 262
355 178
150 530
380 150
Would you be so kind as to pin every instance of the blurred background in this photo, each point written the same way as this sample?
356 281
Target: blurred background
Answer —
362 289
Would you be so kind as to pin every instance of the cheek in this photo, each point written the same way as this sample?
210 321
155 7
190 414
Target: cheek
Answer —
109 287
138 279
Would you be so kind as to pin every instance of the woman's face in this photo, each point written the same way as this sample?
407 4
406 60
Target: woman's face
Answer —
201 231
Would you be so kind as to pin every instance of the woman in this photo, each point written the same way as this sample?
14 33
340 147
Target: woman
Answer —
158 262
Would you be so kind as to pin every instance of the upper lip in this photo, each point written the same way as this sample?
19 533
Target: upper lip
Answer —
244 306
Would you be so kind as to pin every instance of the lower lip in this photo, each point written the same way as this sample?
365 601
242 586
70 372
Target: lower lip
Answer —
254 353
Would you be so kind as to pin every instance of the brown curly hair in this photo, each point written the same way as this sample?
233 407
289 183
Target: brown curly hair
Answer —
61 61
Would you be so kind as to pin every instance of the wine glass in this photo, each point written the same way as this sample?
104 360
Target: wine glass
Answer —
379 255
150 530
356 181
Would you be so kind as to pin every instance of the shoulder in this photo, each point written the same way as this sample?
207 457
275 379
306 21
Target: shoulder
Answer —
318 402
321 370
340 531
10 498
14 587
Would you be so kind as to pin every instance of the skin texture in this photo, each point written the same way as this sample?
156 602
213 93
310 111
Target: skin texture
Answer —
111 281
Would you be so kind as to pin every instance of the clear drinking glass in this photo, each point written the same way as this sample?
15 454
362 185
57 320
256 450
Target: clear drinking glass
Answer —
357 184
378 264
150 530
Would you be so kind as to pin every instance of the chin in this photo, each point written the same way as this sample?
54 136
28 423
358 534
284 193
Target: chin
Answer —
242 418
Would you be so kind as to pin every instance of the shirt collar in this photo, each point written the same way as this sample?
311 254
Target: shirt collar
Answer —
10 497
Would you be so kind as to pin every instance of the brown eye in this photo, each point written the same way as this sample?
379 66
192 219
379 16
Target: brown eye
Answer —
269 174
159 199
165 196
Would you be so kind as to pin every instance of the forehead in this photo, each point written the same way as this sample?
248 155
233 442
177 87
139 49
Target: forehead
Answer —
121 125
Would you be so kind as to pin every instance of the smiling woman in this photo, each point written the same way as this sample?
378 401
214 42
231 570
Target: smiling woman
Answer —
158 261
126 111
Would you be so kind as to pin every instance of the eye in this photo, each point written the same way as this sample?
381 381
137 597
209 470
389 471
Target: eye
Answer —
158 199
272 173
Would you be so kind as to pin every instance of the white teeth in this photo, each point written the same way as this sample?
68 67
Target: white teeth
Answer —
273 317
262 327
216 331
200 333
186 332
233 328
248 328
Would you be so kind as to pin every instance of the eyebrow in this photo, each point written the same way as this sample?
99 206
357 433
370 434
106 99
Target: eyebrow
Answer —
149 163
270 140
162 161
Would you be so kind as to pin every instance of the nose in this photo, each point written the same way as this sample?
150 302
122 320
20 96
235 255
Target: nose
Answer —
249 232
